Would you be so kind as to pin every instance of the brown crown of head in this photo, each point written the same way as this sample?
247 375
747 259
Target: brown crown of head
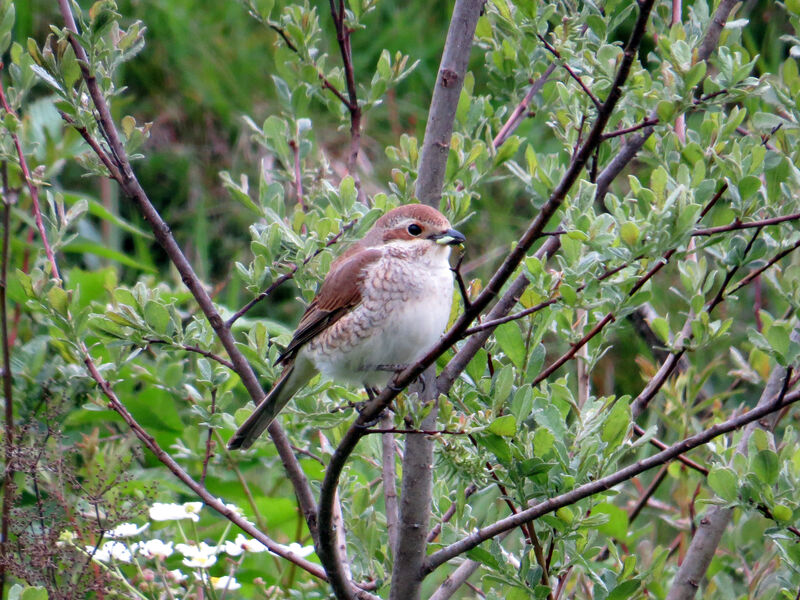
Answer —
394 225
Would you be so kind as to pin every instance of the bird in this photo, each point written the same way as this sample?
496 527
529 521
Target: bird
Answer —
383 304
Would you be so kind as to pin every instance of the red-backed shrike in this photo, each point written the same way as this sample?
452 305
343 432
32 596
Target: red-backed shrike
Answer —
383 304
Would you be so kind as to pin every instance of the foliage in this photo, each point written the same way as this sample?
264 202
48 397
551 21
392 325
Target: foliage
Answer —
692 245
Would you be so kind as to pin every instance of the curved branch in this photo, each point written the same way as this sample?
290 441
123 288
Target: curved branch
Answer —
326 546
161 230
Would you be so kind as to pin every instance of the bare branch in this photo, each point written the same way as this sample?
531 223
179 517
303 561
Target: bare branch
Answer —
415 508
343 38
131 187
8 384
32 189
775 404
518 114
389 478
573 74
447 90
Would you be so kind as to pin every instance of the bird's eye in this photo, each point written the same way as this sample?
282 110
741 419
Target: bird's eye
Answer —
414 229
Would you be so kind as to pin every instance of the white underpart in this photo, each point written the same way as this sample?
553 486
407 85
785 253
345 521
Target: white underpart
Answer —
401 316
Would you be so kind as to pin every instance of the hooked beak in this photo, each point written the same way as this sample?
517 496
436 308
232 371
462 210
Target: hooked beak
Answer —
451 237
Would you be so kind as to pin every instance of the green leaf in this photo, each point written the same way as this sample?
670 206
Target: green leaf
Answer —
629 232
617 524
510 339
765 466
156 316
626 589
34 593
542 441
616 425
724 482
58 299
660 327
505 426
497 446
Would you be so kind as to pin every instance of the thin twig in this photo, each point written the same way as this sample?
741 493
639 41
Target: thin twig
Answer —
646 123
343 38
573 74
32 189
519 112
8 384
287 276
210 499
189 348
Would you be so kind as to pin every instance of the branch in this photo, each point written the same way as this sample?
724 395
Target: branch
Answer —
373 409
713 524
8 387
737 224
32 189
600 485
518 114
161 230
446 92
415 507
389 478
575 76
207 497
343 38
206 353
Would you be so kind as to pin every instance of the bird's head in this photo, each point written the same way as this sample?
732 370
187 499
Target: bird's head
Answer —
415 226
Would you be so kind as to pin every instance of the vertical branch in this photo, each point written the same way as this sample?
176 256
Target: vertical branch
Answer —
417 485
447 90
713 524
389 477
415 509
8 442
343 38
32 189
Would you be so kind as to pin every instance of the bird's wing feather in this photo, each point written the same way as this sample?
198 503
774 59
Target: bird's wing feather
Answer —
340 293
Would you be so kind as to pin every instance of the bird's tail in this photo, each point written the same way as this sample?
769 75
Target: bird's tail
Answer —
294 376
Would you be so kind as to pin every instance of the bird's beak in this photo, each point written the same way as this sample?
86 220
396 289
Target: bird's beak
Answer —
451 237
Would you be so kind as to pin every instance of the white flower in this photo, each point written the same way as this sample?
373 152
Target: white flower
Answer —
110 551
242 544
124 530
225 583
201 561
232 548
154 549
301 551
177 575
175 512
192 550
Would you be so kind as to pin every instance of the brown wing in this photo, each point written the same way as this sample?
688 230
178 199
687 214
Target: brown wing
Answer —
339 294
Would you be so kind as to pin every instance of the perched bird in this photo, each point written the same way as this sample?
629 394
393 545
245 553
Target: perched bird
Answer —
383 304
